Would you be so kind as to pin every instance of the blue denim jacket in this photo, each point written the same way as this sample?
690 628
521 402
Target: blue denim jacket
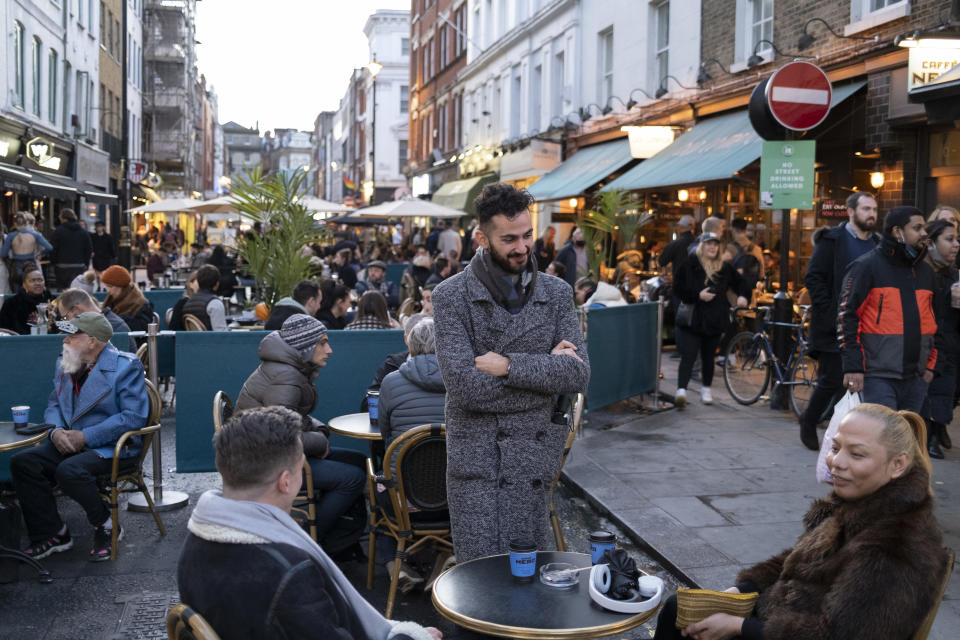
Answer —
112 401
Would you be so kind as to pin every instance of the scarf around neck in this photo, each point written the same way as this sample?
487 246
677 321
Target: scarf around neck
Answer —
510 295
128 303
273 524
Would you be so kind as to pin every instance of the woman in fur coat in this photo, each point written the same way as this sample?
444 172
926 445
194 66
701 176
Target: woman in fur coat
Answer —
871 559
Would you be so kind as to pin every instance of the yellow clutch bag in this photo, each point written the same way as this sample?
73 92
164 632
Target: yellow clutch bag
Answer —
693 605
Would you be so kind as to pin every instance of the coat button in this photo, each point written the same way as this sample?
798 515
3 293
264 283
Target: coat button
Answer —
536 484
541 435
502 435
504 482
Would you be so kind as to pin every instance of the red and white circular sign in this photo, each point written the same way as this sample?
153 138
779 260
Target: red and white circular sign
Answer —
799 95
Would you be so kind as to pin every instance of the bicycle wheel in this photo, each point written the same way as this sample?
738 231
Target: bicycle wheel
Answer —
746 368
803 377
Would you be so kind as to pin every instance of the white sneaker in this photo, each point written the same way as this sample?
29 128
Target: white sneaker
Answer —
680 399
705 396
408 578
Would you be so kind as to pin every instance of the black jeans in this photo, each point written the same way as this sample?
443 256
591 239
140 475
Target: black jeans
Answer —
829 385
36 470
339 478
691 343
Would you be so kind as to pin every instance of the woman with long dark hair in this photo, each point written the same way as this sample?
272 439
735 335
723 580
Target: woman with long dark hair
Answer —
938 407
372 314
702 282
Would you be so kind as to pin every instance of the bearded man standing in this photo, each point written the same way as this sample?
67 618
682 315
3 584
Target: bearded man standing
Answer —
508 342
98 394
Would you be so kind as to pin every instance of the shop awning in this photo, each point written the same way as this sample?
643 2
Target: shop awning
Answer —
939 97
582 170
96 196
459 194
14 178
51 185
145 192
713 149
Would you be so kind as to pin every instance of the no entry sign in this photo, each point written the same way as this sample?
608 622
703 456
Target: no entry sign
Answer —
798 95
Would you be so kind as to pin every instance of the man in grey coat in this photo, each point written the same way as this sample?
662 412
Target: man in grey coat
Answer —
508 342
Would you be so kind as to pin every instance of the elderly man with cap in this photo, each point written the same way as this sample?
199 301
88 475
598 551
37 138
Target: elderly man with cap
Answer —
98 394
886 316
377 281
290 361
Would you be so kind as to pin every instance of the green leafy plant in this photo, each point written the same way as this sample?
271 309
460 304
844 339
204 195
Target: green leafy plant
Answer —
612 222
276 257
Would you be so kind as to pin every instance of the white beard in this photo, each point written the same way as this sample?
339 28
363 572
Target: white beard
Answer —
71 362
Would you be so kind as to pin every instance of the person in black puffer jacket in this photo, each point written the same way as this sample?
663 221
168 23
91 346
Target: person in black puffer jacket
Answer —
72 249
703 280
938 406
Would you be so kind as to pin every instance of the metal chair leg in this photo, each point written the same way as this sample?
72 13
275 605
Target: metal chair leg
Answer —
42 574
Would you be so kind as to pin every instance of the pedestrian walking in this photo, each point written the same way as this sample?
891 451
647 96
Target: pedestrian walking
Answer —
504 444
833 251
701 284
72 249
103 251
886 317
938 406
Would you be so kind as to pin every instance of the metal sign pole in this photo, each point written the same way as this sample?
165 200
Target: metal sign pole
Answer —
172 499
656 384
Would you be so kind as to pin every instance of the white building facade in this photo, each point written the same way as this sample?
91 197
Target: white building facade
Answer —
388 34
134 79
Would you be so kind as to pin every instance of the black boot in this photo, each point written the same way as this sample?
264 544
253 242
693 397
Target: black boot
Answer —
808 436
933 442
945 441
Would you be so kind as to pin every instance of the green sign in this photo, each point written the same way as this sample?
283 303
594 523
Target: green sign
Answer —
786 174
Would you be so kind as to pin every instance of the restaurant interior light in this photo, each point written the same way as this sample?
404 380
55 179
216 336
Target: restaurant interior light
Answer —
876 179
8 193
573 203
928 41
683 195
703 196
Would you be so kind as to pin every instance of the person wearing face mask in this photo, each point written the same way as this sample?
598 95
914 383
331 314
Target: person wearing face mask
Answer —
938 407
573 256
886 319
99 394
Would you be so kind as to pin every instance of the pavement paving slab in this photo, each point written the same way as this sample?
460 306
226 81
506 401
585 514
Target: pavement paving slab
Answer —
710 490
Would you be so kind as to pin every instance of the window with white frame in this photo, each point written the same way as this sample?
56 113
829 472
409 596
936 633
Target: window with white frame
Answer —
536 87
19 73
404 98
867 14
81 12
761 25
404 46
516 102
53 63
35 74
604 65
879 5
662 41
557 81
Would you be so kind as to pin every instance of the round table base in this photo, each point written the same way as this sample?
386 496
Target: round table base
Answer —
171 500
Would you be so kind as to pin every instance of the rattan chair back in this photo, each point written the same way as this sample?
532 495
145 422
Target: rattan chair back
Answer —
183 623
193 323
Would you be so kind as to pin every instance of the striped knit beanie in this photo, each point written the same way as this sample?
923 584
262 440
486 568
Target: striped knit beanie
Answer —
302 332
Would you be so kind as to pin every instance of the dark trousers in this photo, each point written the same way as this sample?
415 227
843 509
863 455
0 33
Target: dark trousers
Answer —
65 275
899 395
690 344
36 470
828 387
339 478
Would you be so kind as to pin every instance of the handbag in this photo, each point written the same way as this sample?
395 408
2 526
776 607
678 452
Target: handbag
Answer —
841 409
685 314
693 605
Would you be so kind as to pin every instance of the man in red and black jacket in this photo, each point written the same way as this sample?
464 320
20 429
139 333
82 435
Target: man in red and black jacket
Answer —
886 320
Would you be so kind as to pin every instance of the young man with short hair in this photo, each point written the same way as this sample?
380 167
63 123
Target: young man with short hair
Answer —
248 568
306 299
503 447
205 304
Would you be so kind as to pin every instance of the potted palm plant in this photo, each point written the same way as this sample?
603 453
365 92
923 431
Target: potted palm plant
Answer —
610 225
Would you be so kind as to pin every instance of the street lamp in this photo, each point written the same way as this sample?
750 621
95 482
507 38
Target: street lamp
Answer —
374 68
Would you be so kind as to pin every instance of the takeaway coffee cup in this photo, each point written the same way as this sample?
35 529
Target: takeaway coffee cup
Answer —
955 295
523 559
601 541
21 415
373 405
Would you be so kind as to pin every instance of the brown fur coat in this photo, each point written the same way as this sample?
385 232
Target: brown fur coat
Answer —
865 569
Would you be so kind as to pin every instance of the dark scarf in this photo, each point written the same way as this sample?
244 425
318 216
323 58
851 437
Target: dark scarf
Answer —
509 295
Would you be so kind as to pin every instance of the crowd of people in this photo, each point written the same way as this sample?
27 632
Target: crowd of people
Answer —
493 346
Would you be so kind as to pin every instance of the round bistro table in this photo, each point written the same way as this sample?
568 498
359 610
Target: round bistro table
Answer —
9 441
481 595
358 425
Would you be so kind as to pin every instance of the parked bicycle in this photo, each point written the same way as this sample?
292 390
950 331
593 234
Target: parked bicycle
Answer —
750 364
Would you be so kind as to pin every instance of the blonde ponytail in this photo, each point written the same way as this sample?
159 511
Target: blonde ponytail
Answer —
903 432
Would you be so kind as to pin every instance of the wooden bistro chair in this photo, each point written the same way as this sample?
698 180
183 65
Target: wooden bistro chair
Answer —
144 358
575 419
927 624
420 480
183 623
193 323
8 332
306 503
129 472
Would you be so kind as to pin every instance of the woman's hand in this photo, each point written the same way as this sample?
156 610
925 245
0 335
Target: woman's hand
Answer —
706 295
719 626
741 302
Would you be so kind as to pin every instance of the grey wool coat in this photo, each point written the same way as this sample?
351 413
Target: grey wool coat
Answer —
503 450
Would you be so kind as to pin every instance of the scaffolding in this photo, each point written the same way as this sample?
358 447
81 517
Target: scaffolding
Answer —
170 105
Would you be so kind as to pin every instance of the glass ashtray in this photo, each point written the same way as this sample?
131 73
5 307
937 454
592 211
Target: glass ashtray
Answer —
559 575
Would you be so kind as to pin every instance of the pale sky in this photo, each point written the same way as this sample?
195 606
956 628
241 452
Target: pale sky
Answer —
282 61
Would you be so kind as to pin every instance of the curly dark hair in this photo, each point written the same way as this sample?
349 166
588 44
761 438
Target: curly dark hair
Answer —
498 198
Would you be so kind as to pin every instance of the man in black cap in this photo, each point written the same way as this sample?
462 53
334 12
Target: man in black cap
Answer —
886 317
377 281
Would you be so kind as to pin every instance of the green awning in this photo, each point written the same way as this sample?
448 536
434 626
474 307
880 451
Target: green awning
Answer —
582 170
460 194
713 149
